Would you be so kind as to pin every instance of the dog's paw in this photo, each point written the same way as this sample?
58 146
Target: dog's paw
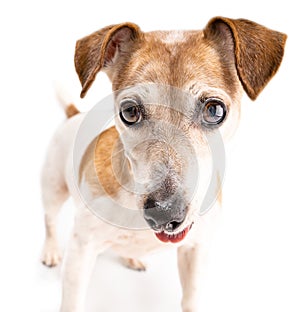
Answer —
134 264
51 255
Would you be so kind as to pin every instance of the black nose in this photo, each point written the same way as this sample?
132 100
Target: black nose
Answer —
165 215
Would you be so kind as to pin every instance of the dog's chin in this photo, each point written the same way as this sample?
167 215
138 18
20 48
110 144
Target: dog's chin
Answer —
177 237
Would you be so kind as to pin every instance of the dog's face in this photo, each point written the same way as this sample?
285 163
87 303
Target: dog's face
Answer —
174 91
165 131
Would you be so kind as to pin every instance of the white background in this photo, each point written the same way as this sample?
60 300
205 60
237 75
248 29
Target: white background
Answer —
255 257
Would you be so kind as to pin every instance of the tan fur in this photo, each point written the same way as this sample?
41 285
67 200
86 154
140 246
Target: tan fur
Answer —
94 52
258 50
87 170
102 162
252 50
103 155
174 64
71 110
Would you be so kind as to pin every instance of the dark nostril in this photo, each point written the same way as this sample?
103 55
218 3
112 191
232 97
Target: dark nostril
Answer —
172 226
150 203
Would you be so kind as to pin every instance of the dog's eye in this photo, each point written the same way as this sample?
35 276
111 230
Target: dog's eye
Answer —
214 112
130 112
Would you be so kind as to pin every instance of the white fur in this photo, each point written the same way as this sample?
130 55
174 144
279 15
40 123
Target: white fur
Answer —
174 37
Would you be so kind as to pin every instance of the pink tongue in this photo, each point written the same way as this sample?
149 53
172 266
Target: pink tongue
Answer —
173 238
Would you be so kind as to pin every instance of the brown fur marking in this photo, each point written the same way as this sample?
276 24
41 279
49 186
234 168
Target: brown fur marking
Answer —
71 111
228 52
103 154
97 50
104 166
258 50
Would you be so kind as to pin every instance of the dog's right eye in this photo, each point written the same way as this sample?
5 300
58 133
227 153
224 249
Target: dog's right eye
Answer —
130 112
213 112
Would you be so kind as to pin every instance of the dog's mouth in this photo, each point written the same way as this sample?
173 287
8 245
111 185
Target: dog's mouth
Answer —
173 238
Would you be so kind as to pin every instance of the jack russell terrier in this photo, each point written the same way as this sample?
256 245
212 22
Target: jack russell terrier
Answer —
173 90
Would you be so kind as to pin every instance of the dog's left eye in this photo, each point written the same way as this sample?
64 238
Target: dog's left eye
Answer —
213 112
130 112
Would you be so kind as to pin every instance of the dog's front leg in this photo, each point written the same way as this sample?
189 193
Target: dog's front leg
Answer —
81 256
191 263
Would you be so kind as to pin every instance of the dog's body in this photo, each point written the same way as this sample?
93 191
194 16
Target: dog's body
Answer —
181 70
92 236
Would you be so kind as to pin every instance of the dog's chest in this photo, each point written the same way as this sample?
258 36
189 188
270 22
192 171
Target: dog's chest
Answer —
136 243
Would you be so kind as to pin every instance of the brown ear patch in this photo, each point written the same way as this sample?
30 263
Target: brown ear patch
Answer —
258 50
101 49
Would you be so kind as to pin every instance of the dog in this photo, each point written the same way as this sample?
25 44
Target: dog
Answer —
173 90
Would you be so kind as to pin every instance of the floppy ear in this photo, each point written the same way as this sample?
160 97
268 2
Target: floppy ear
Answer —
103 49
257 50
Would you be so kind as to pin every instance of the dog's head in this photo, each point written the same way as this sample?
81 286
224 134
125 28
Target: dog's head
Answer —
173 89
